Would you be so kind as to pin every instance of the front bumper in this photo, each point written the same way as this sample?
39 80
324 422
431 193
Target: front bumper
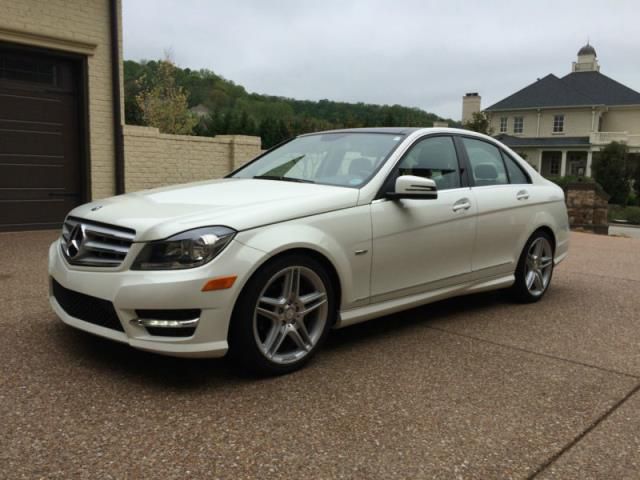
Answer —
130 290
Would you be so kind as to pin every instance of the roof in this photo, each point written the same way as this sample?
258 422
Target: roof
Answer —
573 90
392 130
587 50
515 142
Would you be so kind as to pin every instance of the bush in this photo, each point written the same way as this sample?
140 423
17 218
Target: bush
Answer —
610 170
562 182
630 214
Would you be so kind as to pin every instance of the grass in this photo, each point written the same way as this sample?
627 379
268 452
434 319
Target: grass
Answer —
631 213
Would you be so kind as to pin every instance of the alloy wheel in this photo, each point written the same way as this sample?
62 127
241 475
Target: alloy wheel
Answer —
539 266
290 314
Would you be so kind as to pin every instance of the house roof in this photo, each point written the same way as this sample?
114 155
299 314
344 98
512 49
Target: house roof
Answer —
573 90
515 142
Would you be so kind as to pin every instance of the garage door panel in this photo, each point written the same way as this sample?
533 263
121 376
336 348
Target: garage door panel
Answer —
34 176
29 107
39 140
33 213
35 143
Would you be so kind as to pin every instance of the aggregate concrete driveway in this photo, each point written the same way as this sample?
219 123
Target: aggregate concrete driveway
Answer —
475 387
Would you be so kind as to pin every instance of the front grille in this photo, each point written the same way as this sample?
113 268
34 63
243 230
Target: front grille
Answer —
95 244
85 307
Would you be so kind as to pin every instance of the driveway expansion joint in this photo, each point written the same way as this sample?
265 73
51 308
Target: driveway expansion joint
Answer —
524 350
575 441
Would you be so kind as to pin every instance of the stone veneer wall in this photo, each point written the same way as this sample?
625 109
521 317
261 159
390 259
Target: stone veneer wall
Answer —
587 206
154 159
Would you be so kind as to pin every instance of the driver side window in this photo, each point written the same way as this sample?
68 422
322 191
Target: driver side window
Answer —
434 158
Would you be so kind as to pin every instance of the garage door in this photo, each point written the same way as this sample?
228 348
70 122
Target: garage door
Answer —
40 177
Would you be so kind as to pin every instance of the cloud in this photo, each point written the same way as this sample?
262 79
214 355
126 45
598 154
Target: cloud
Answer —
416 53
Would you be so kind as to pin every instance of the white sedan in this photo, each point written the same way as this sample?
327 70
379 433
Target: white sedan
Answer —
324 231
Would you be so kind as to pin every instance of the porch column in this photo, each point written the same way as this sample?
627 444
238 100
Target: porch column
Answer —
539 161
563 164
587 172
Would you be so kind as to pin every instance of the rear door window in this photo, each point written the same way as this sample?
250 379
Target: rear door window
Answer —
487 167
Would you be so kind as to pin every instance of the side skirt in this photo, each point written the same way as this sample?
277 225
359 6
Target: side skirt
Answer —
362 314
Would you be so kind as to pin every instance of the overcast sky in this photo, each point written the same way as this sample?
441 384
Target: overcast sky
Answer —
425 54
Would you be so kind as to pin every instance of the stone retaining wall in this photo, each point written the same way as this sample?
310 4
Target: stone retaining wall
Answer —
588 207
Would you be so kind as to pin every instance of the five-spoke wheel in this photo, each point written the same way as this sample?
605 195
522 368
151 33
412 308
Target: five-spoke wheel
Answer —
535 268
283 315
290 314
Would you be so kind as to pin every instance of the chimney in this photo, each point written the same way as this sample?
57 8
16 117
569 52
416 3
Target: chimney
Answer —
470 105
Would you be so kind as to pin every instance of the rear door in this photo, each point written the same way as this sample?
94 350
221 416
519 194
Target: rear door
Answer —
503 193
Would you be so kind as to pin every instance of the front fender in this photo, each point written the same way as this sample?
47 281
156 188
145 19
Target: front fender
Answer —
335 235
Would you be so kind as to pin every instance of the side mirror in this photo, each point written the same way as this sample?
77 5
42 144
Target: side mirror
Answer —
411 186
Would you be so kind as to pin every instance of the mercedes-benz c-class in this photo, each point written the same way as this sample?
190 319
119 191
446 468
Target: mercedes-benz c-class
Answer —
323 231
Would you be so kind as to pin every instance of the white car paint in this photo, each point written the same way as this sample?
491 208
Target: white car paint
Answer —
388 255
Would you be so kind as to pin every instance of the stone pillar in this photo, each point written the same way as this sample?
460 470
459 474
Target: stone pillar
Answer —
563 164
587 207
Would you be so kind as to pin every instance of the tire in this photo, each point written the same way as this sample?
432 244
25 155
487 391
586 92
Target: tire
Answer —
535 268
279 323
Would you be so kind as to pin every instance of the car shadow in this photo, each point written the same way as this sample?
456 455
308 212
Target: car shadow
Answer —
108 358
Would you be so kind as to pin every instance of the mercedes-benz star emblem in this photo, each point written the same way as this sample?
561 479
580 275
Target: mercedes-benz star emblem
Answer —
75 242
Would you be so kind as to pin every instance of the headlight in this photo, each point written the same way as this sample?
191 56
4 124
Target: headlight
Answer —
185 250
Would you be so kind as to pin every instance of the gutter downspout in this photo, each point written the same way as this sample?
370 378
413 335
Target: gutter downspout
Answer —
116 97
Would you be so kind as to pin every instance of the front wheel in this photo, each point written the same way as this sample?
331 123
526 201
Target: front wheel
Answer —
535 269
282 316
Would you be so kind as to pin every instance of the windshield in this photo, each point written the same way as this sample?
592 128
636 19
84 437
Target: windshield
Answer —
343 159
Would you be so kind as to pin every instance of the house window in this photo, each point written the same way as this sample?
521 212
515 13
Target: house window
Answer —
554 168
518 124
503 124
558 123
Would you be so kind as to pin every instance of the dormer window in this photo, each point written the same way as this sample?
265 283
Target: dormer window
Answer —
518 124
558 123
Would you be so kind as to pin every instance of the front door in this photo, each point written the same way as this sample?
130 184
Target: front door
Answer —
419 243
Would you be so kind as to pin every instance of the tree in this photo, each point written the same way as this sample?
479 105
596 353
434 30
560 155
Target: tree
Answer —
610 171
635 176
164 105
478 123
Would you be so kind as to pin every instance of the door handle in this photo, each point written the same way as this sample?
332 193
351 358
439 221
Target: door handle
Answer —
522 195
462 204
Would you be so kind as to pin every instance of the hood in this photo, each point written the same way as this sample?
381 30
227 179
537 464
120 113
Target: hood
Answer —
233 202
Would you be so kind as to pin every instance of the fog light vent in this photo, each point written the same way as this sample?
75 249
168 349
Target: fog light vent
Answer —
169 323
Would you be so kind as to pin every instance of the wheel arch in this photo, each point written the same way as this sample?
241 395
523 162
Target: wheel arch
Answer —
320 257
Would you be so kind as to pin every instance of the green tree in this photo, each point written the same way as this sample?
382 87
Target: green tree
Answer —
164 105
478 123
610 171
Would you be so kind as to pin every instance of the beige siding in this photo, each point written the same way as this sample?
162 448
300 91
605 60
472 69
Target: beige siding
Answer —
154 159
79 26
577 122
622 120
530 122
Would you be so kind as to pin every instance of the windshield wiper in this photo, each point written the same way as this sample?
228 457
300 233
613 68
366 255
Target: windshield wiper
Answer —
283 178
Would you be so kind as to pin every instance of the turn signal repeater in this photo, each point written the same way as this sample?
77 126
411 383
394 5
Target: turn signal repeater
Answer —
219 283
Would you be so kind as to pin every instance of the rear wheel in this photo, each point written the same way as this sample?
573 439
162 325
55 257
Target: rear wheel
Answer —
282 316
535 268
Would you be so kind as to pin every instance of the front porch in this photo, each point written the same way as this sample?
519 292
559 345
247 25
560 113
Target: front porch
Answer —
559 162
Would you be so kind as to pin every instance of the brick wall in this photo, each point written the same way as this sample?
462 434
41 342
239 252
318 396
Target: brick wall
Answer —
588 207
78 26
153 159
